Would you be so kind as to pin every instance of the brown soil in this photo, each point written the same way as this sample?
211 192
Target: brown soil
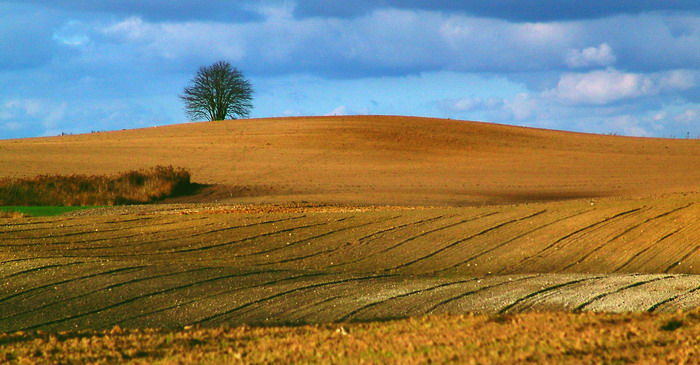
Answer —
374 160
213 265
356 218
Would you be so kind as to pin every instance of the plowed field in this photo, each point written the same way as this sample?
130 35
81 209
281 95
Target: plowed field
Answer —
216 266
374 160
394 217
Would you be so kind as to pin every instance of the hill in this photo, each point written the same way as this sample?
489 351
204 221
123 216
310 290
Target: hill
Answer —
627 243
374 160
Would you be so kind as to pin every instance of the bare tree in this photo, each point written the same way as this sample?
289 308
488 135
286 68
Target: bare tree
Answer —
218 92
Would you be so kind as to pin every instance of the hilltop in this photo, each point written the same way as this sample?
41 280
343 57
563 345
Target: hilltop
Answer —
374 160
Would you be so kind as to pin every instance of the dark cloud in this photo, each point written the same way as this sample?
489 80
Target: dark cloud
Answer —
514 10
158 10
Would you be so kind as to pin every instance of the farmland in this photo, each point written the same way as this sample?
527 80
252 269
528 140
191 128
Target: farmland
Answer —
311 221
217 267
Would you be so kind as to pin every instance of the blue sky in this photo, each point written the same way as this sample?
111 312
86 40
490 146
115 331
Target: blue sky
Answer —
629 67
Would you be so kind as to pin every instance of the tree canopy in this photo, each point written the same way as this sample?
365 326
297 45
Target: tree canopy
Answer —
218 92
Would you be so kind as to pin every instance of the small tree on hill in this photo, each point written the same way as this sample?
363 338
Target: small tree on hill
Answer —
218 92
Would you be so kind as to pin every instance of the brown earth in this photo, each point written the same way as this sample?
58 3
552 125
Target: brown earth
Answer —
213 265
347 231
374 160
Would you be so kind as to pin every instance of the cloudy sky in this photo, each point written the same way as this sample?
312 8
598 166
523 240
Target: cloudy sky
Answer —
628 67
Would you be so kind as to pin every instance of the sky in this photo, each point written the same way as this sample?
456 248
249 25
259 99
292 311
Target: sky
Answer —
627 67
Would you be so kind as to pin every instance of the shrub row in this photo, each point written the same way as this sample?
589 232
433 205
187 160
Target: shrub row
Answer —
132 187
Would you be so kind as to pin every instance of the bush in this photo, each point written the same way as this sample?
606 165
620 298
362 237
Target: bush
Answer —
133 187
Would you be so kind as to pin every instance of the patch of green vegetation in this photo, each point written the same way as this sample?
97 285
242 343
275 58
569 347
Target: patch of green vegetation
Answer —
42 211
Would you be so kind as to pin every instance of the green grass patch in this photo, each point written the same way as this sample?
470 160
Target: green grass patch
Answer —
41 211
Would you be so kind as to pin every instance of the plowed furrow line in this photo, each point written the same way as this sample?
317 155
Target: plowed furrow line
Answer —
54 284
131 300
129 220
44 258
50 221
321 252
582 306
650 219
365 307
90 224
159 276
656 306
287 292
20 224
170 251
486 252
311 304
413 238
45 267
38 258
71 242
227 292
368 237
73 234
685 257
108 287
629 229
635 256
219 230
395 228
92 248
580 230
455 243
292 244
546 290
476 291
297 258
52 226
209 247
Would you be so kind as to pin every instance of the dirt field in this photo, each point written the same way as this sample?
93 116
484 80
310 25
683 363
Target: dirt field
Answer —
334 220
375 160
170 266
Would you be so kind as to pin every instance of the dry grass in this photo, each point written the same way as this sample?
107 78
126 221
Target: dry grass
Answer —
132 187
4 214
549 338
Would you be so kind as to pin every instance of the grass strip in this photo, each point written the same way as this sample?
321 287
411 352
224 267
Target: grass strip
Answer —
40 211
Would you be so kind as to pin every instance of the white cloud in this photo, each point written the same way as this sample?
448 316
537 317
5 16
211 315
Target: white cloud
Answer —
73 33
31 107
592 56
156 43
384 41
12 126
659 116
522 107
129 29
688 116
603 87
628 125
678 79
341 110
471 104
600 87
